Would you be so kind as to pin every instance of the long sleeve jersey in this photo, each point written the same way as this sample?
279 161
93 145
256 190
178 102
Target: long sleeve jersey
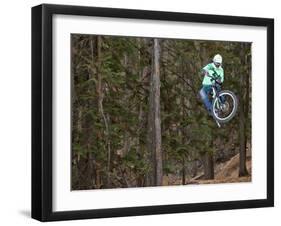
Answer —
212 71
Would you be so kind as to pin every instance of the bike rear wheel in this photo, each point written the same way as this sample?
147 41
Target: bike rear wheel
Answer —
224 106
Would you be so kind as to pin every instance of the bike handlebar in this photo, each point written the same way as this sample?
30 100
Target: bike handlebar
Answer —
214 78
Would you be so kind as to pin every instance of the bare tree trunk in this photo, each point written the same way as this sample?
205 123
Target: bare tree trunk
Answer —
242 136
242 122
156 128
91 179
149 178
142 74
100 108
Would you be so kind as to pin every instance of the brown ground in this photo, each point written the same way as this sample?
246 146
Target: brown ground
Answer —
228 172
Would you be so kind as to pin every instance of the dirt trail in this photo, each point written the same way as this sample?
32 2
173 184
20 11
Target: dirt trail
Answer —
225 172
228 172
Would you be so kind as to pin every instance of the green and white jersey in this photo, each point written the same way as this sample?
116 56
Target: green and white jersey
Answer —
213 71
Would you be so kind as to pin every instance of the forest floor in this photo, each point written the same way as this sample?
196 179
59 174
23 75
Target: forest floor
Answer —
227 172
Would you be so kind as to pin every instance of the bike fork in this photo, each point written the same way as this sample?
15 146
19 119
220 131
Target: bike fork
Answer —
219 125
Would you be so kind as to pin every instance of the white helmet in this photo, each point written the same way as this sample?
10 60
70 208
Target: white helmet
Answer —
217 59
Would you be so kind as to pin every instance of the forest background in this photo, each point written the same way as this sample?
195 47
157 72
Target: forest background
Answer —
137 119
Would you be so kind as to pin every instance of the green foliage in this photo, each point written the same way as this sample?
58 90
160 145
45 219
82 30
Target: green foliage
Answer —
124 66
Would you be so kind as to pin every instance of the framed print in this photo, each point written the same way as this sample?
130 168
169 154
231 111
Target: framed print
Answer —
140 112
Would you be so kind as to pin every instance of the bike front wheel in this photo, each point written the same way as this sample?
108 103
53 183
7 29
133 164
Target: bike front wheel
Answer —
224 106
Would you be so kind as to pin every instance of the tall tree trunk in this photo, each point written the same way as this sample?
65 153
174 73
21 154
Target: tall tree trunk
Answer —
154 121
91 179
101 110
149 179
140 115
156 111
247 106
242 147
242 122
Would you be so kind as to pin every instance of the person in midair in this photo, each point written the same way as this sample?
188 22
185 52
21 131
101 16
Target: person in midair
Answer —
213 72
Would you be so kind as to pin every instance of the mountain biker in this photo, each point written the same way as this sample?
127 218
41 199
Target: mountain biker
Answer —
213 74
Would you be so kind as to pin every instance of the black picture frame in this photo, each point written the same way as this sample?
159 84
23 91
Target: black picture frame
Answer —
42 111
